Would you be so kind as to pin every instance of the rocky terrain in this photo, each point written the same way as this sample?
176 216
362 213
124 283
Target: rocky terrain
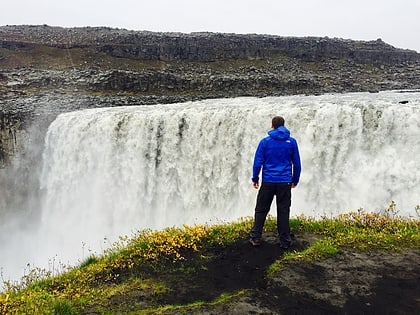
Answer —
168 67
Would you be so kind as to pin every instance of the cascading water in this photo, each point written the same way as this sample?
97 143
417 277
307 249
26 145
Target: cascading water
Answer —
109 172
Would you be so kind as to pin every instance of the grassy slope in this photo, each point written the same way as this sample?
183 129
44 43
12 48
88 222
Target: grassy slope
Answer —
162 271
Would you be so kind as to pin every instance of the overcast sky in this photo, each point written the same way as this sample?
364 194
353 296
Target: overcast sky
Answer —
396 22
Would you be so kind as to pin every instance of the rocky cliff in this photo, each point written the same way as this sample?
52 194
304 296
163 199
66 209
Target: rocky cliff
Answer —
47 70
197 64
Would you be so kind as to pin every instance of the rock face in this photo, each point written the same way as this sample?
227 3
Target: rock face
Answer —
47 70
197 64
8 137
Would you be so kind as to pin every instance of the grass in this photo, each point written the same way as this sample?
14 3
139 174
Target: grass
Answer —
133 266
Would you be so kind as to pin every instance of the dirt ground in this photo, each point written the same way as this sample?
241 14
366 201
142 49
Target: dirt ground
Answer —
350 283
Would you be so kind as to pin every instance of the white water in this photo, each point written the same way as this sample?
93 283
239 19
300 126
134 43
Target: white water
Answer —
109 172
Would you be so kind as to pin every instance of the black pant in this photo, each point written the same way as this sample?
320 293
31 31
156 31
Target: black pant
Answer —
265 196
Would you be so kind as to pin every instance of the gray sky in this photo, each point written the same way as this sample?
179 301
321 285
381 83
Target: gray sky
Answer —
397 22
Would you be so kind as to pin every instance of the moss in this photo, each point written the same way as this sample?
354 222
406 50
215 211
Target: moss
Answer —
169 270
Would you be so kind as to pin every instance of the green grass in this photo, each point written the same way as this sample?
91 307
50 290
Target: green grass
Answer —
133 264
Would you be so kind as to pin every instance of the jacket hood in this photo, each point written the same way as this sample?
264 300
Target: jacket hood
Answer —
281 133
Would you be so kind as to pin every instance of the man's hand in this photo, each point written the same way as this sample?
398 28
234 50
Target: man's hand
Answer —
256 185
294 185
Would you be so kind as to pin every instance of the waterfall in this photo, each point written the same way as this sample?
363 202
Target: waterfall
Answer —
111 171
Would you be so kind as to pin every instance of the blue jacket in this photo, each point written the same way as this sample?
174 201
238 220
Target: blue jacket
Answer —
278 156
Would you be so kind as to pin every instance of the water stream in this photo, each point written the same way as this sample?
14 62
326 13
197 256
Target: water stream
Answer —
112 171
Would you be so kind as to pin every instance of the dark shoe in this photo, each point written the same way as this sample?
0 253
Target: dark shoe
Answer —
255 242
289 244
286 246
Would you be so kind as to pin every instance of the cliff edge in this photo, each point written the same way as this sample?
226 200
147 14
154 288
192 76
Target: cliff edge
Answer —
154 66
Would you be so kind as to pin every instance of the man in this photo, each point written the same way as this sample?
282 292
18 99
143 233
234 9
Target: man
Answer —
278 156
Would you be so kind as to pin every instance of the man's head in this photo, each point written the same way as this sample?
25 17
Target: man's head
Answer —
277 121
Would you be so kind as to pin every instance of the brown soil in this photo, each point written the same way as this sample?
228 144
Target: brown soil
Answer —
352 282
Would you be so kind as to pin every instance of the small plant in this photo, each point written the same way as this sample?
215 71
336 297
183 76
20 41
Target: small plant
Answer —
89 261
63 308
391 211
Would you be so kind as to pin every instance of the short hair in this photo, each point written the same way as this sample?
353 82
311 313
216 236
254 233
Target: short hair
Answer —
277 121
